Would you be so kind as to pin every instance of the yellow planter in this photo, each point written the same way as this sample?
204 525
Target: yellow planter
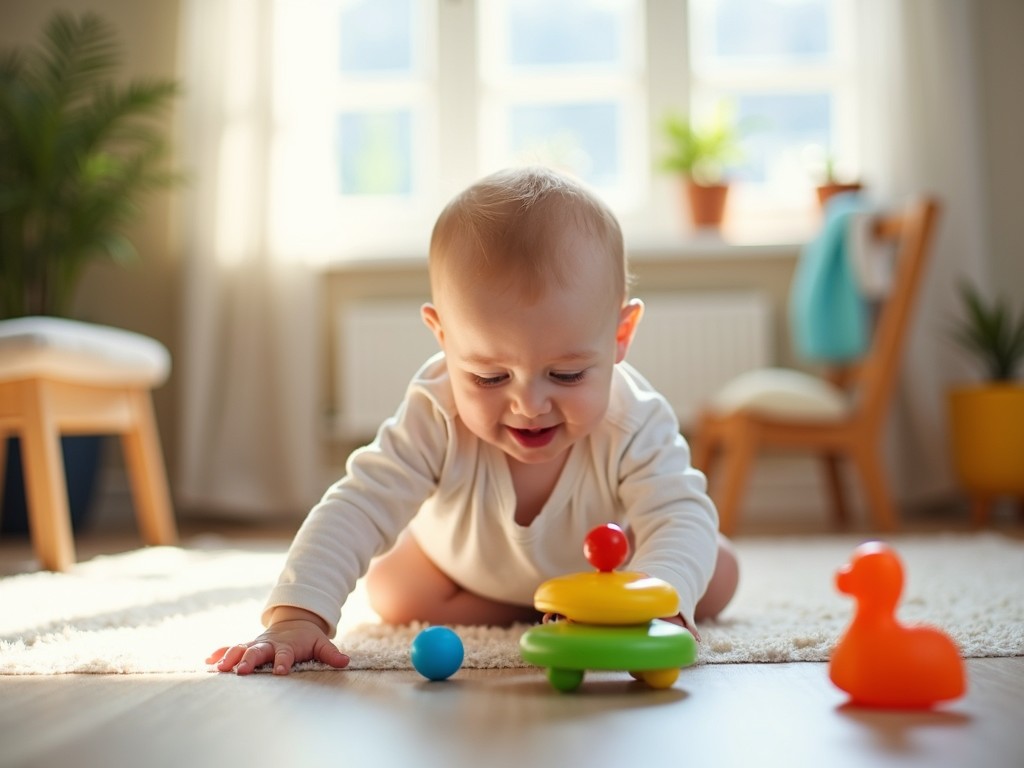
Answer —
987 432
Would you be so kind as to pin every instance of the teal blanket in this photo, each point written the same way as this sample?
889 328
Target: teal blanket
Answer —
827 311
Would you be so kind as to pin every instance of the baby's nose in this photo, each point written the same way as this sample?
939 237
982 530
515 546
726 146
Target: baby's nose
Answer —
531 401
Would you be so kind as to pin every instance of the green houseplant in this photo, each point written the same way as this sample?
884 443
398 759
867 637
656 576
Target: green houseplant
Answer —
831 184
77 152
701 154
987 418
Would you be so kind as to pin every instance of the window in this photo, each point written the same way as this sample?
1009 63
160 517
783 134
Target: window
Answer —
423 96
383 97
563 84
786 67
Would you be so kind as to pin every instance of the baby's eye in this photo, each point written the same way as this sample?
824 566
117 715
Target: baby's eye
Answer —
489 381
568 378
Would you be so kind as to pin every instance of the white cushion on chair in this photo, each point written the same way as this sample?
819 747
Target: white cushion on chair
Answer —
69 350
782 393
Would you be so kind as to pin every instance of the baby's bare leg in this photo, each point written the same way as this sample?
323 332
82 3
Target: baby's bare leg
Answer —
405 586
723 582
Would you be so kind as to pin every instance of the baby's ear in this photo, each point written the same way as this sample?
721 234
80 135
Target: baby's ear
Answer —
433 321
629 319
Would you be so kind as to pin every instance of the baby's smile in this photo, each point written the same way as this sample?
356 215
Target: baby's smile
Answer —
533 438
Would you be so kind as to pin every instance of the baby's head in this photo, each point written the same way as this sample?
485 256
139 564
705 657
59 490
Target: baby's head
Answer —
528 277
514 230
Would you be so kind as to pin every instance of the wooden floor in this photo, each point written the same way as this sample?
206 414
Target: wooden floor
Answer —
717 715
740 715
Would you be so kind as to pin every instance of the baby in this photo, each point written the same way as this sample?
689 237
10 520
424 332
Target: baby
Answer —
525 432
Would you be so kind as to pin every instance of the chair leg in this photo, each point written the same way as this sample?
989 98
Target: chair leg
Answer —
736 460
834 483
981 509
702 445
879 500
45 484
147 473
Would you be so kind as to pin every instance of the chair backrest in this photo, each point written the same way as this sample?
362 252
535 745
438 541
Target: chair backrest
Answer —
911 230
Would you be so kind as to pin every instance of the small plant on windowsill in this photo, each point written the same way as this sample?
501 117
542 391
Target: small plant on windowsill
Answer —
987 419
832 185
829 182
701 155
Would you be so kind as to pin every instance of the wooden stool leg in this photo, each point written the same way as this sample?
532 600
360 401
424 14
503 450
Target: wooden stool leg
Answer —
147 473
45 484
3 461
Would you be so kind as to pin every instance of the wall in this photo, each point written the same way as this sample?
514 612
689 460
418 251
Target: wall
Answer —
1001 61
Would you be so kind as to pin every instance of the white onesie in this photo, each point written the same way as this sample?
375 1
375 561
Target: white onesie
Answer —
425 470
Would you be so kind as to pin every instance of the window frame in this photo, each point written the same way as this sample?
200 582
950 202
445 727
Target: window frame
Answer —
460 94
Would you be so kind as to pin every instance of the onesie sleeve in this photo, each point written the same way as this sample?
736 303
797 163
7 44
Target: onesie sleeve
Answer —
361 515
674 522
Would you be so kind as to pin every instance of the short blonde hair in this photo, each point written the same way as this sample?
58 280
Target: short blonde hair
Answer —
511 224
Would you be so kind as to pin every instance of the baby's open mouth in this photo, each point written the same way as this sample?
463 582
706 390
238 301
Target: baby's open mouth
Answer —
533 438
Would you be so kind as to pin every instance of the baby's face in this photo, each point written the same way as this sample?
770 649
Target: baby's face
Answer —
532 379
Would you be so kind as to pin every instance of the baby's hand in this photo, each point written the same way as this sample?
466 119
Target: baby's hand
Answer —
682 622
287 640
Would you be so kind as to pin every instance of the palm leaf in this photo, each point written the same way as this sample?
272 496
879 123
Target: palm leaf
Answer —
77 151
990 331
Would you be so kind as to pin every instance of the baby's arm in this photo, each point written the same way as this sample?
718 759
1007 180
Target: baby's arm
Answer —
293 635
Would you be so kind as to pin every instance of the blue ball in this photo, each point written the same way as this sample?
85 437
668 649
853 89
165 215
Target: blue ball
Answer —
437 653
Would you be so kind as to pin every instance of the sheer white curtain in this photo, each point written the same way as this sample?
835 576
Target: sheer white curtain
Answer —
922 134
250 360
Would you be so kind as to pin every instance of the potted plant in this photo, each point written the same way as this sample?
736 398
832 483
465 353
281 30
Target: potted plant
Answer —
78 150
987 419
831 185
701 155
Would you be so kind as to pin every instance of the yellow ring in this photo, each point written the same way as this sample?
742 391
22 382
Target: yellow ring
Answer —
613 598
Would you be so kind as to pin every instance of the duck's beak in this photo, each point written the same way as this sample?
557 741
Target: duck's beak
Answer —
843 576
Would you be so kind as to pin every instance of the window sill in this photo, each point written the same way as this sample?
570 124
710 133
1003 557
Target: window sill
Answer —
690 247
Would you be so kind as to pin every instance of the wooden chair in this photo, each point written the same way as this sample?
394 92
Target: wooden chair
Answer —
839 416
62 377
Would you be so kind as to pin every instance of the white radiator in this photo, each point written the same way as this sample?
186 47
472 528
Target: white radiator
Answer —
383 343
687 346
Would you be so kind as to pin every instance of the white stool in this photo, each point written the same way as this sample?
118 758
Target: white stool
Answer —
62 377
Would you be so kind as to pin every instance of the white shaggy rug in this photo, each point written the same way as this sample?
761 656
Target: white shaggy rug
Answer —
164 609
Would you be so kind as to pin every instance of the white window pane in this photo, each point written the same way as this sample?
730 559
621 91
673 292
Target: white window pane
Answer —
376 36
764 29
571 32
581 138
375 152
784 126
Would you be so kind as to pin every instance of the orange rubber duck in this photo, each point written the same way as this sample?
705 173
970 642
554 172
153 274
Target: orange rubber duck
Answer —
879 661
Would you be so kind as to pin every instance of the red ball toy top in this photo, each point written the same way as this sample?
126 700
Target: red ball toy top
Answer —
606 547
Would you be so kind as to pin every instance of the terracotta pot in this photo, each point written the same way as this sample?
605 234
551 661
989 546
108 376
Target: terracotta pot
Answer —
706 203
825 191
987 433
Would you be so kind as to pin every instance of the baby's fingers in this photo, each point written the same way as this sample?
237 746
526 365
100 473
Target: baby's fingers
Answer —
226 658
217 655
245 658
283 660
328 653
